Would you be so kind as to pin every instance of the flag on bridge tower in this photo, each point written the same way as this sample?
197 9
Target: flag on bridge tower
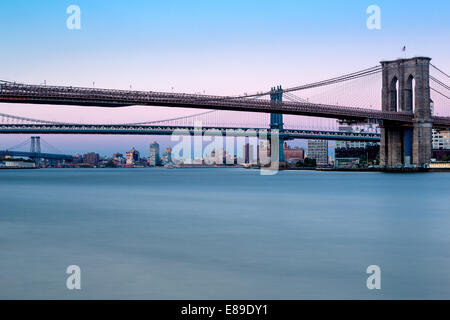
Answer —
404 49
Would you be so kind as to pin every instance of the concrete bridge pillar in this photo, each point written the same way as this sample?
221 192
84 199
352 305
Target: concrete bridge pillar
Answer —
276 120
406 88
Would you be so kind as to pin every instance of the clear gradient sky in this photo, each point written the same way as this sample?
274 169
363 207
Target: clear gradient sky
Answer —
220 47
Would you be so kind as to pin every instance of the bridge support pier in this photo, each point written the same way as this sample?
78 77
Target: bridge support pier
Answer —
396 146
406 89
422 142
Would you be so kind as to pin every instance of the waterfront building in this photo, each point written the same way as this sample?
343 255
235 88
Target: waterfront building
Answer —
293 153
218 157
350 157
91 158
154 159
231 159
118 158
441 140
132 156
77 158
11 163
348 154
349 144
167 156
440 156
318 150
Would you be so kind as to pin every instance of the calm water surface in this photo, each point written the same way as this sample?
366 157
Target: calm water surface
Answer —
223 233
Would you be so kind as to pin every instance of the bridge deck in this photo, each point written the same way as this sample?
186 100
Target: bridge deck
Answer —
177 130
35 155
21 93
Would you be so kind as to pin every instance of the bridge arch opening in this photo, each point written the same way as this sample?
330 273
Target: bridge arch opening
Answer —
393 94
410 94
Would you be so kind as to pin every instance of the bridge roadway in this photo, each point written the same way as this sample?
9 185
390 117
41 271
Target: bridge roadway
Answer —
60 95
35 155
169 130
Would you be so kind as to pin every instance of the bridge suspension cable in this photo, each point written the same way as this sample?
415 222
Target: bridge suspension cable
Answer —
442 94
20 145
37 121
29 141
440 83
437 82
169 120
293 97
50 146
9 116
343 78
436 68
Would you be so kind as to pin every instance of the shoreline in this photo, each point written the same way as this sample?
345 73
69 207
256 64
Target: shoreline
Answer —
17 168
386 170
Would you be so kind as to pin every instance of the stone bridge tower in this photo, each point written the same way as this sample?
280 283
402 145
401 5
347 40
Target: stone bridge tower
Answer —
406 88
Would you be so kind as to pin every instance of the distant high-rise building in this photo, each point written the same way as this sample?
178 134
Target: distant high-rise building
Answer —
132 156
318 150
154 159
91 158
263 152
167 156
248 153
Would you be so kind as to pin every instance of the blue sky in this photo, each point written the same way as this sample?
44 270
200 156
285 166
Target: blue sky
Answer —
220 47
